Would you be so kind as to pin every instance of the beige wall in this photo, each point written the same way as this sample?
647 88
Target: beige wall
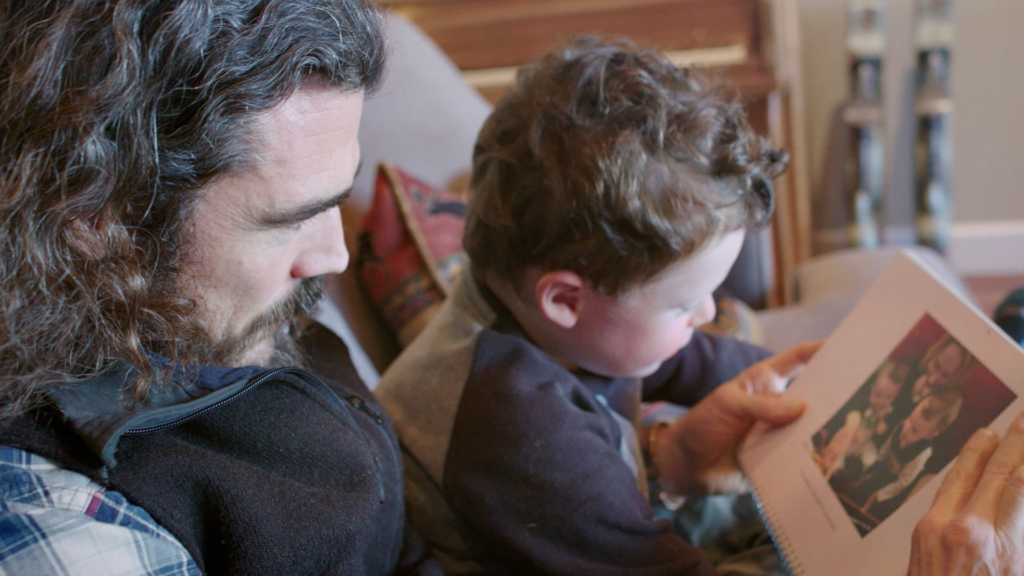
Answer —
988 88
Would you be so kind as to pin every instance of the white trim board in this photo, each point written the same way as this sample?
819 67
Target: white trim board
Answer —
994 248
987 248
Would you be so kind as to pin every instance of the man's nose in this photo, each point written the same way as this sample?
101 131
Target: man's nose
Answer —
323 250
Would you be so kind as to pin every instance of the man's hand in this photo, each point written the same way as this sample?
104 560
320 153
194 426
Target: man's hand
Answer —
976 524
696 454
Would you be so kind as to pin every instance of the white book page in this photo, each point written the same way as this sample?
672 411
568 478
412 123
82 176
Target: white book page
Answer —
906 313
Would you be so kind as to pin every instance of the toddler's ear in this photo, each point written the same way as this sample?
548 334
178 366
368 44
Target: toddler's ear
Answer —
559 296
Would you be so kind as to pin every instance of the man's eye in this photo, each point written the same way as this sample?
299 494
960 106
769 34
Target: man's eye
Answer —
294 226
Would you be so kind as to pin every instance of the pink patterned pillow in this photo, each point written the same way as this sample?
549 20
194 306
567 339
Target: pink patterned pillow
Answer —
410 250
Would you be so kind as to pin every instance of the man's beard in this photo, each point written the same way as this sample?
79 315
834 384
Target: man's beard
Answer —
283 322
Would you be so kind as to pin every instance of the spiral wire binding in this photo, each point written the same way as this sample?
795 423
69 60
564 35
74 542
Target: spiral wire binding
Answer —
789 558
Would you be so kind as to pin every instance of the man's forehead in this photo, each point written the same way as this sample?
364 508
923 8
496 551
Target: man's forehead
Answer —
308 123
305 155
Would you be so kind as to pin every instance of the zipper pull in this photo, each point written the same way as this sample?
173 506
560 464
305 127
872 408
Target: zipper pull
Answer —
360 404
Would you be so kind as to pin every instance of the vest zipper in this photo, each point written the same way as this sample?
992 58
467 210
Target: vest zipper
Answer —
355 401
358 403
181 420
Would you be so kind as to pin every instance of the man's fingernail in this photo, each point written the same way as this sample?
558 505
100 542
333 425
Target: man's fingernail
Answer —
793 404
982 438
1018 423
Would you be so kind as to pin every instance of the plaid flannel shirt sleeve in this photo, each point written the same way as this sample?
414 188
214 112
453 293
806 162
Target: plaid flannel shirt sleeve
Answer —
57 522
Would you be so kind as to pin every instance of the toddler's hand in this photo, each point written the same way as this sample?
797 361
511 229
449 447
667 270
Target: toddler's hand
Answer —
696 454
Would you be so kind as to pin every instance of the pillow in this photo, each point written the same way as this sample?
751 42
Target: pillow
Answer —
410 249
736 319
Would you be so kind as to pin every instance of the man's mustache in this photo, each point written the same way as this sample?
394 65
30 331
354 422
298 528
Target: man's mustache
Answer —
300 304
284 314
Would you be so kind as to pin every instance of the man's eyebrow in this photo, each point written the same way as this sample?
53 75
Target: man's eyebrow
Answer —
303 213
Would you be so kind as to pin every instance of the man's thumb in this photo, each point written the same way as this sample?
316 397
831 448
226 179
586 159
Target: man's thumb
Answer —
774 409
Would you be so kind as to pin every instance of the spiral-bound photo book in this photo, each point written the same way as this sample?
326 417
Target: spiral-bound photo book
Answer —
892 396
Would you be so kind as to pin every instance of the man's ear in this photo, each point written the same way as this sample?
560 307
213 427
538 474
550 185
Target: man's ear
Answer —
560 296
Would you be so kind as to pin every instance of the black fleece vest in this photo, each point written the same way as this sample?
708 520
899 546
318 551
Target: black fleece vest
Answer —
294 476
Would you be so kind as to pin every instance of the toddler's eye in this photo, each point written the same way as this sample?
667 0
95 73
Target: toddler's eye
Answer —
689 307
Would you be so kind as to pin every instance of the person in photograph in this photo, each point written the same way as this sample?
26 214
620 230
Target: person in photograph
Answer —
902 458
855 445
943 366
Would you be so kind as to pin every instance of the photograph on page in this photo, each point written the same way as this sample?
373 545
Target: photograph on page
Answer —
905 423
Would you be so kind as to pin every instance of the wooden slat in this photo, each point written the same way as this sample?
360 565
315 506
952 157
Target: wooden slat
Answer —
701 57
795 237
488 34
753 80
